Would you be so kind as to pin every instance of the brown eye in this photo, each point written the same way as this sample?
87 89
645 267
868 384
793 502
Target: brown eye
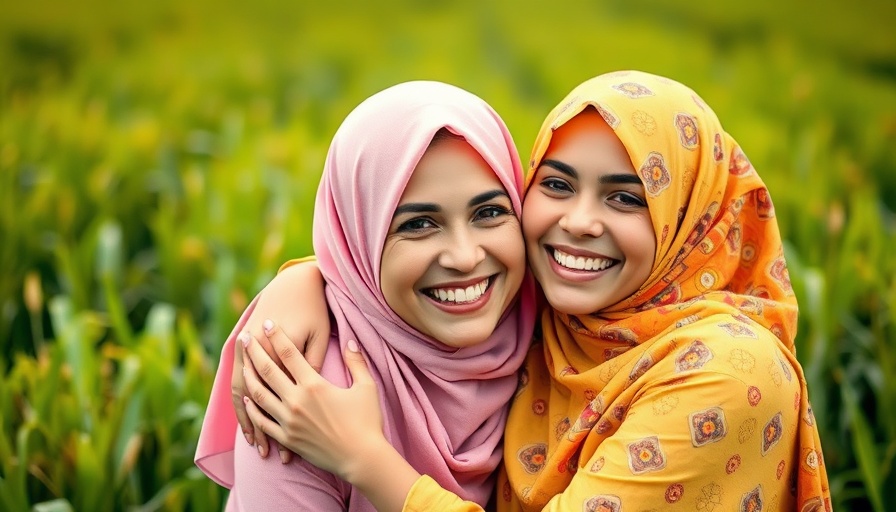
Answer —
628 199
554 184
415 225
491 212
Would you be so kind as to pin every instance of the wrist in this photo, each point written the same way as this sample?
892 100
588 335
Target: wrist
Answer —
381 474
366 460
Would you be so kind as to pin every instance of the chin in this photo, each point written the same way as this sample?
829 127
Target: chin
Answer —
573 309
465 338
569 303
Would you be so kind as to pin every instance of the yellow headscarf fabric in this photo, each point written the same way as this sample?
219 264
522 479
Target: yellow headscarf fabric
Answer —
704 349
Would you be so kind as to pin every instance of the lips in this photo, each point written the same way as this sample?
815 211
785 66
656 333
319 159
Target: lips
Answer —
460 294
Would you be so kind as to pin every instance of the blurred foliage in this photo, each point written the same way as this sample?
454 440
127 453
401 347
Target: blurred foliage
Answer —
158 160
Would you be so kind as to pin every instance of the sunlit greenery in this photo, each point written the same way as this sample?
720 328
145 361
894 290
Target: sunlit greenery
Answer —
158 162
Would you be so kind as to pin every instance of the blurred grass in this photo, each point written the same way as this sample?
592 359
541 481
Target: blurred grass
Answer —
158 161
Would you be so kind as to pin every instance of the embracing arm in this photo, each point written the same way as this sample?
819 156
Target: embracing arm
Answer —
338 430
295 299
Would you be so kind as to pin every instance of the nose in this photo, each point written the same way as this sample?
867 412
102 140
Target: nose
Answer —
583 218
463 252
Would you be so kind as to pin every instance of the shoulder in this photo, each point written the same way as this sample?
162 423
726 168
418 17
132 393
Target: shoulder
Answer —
727 344
722 355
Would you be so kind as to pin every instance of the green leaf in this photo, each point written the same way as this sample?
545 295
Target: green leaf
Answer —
866 453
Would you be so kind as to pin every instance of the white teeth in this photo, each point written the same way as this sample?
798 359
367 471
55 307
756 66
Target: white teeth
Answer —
460 295
581 263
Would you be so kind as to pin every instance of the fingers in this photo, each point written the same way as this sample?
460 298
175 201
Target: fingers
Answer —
255 388
265 367
265 425
354 360
285 454
263 446
289 355
262 443
237 391
251 430
265 344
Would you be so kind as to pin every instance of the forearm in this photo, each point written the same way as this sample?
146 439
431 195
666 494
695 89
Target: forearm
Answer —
382 475
337 429
391 484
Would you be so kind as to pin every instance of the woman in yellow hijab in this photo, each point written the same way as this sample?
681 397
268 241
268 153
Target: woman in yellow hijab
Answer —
665 371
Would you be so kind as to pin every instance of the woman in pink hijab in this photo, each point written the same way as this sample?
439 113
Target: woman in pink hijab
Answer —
417 235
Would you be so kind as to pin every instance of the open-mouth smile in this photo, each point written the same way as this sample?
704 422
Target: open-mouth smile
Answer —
581 263
460 295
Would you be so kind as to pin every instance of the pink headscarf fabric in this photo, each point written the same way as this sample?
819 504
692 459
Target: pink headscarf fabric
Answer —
445 408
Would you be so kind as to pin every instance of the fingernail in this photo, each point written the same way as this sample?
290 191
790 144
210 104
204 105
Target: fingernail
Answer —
248 437
352 346
283 457
260 450
246 399
267 325
244 338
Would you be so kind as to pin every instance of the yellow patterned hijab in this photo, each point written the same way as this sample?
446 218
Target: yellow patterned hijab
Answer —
719 251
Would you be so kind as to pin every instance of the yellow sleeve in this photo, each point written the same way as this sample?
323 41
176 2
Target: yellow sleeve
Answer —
426 495
296 261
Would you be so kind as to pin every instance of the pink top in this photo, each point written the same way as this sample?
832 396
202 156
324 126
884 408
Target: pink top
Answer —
445 408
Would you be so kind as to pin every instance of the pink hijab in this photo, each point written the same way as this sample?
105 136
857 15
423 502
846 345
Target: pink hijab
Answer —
445 408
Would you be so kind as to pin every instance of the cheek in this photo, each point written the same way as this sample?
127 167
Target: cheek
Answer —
533 221
507 245
398 272
641 246
516 253
535 227
648 239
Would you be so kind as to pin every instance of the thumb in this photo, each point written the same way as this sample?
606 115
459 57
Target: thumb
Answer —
356 364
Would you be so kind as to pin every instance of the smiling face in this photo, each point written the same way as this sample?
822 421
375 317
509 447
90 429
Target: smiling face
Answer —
587 227
454 258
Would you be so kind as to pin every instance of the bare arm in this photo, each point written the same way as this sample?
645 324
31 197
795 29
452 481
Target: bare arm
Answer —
339 430
295 299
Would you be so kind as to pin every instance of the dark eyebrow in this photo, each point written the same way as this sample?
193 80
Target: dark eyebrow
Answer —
561 167
620 179
434 208
416 208
607 179
487 196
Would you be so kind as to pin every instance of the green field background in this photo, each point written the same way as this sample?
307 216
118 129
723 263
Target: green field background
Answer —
158 161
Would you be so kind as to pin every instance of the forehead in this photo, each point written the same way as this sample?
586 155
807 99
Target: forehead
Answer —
587 141
449 168
587 119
